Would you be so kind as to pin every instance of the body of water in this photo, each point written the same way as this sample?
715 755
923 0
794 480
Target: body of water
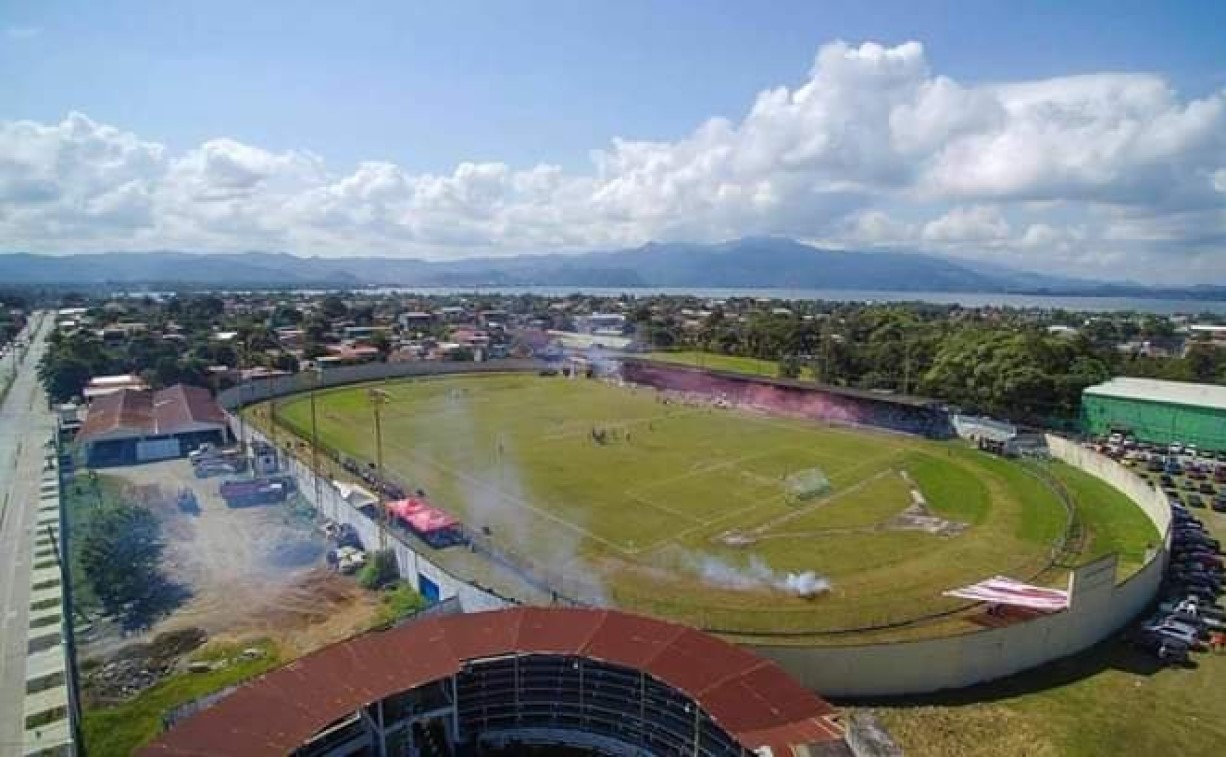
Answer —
966 299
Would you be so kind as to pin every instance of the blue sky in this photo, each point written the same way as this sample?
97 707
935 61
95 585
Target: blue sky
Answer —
426 88
428 85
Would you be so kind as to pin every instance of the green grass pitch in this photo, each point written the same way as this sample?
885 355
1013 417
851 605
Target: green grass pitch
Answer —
625 498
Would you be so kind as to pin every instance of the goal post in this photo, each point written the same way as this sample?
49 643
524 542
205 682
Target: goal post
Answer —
806 484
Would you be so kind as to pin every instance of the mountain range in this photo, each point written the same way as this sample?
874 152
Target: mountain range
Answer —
756 262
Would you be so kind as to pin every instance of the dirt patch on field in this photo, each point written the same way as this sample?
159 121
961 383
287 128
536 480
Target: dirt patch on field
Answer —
250 571
919 517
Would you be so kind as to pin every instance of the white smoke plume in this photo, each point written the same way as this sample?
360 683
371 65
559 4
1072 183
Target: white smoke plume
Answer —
496 499
756 575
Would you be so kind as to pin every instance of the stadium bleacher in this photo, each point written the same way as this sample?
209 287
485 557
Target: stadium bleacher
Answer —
903 414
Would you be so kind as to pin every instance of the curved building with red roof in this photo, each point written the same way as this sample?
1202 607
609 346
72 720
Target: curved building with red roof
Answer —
601 680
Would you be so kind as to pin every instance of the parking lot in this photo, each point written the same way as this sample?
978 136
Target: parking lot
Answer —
1189 619
1190 477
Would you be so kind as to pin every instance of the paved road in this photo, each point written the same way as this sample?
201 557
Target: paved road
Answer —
25 426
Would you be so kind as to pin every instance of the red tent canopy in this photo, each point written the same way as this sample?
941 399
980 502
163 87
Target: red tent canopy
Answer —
421 516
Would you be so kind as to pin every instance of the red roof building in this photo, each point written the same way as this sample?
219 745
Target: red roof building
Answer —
556 676
130 425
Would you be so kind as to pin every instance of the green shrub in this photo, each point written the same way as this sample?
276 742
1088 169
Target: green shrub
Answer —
380 570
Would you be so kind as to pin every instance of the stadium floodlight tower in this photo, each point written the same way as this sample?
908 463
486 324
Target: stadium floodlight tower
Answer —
316 377
377 399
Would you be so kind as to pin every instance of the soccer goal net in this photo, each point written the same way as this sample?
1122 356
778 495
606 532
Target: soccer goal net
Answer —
806 484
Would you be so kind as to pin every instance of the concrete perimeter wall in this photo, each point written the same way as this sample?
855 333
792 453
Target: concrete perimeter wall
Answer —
1098 608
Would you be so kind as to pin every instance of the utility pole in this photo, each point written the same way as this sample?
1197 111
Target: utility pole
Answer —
242 404
315 448
242 415
377 398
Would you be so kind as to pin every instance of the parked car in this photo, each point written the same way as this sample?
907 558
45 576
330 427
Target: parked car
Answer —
1182 635
1203 586
1191 529
1193 607
1190 548
1168 650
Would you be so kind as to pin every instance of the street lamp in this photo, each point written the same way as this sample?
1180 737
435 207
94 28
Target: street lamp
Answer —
315 472
377 398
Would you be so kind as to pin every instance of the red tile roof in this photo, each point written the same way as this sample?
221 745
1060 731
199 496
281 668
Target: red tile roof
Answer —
132 414
120 411
753 699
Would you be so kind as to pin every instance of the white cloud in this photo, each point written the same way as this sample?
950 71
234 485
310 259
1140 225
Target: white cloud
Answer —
979 223
877 228
1088 169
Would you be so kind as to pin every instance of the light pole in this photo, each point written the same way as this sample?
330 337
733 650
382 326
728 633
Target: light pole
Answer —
315 472
377 398
242 404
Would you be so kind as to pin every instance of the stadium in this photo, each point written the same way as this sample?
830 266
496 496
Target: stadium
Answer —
770 512
554 681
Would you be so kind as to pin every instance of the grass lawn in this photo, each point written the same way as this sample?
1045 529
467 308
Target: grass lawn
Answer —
118 731
1112 525
624 497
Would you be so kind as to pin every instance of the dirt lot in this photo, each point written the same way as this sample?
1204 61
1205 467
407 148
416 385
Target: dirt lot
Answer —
255 571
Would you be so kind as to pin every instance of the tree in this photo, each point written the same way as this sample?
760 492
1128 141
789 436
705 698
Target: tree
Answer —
381 342
285 315
312 350
65 378
121 550
284 361
1203 360
166 372
789 367
334 307
380 569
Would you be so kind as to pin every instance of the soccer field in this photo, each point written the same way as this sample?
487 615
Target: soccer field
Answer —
701 513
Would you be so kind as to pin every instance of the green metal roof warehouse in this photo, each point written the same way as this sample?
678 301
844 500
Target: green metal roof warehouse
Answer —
1158 411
